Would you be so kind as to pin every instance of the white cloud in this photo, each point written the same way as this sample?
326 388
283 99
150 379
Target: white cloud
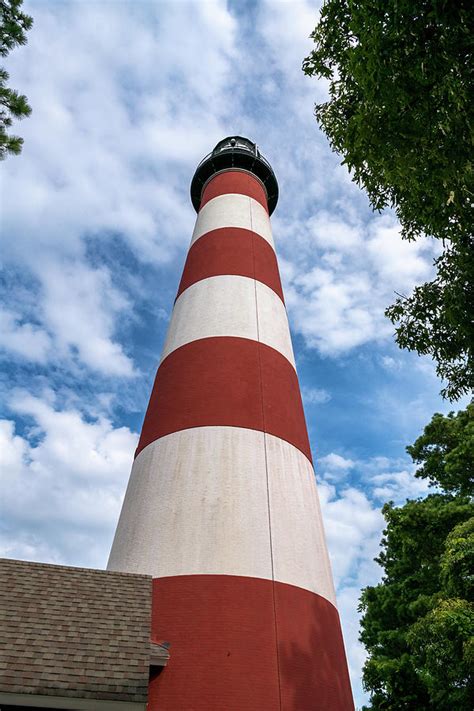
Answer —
332 233
399 263
62 483
391 364
353 528
80 306
23 339
13 450
333 461
337 296
286 26
383 478
397 486
315 396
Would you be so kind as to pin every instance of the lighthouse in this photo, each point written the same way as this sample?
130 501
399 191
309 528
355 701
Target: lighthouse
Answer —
222 508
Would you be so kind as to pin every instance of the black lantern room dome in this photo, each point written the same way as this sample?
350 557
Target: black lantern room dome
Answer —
239 153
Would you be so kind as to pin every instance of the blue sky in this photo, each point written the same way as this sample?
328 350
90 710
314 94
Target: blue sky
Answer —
127 97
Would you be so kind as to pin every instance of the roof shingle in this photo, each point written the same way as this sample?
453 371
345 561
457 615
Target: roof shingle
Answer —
74 632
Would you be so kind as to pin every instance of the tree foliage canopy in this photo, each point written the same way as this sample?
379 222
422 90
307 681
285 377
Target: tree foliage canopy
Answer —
418 622
400 112
445 451
13 27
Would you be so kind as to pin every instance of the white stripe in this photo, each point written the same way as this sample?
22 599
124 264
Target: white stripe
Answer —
228 305
300 554
197 504
233 210
273 327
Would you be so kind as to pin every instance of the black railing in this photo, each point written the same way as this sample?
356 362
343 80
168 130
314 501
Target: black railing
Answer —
239 153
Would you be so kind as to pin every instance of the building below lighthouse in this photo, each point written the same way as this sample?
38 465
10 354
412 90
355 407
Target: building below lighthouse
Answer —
222 508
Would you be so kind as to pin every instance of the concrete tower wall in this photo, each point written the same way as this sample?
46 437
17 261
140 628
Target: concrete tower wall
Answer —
222 508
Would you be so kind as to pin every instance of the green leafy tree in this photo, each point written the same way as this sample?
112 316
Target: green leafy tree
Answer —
445 452
442 646
400 113
418 622
457 562
13 27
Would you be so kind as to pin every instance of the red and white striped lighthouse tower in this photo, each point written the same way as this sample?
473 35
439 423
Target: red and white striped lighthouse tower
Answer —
222 508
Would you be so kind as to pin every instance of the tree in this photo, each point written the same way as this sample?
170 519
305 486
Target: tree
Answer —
417 623
445 451
13 27
400 113
457 563
443 652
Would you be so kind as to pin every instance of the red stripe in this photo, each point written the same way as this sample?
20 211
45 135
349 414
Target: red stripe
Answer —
222 381
231 250
313 666
234 181
228 654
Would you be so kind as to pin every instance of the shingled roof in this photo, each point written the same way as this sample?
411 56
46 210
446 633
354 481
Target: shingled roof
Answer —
75 633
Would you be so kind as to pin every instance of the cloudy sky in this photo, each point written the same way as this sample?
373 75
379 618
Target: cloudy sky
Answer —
127 97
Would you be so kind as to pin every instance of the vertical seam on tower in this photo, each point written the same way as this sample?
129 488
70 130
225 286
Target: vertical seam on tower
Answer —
266 458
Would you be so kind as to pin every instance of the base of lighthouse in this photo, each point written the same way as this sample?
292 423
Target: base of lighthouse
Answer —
234 647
